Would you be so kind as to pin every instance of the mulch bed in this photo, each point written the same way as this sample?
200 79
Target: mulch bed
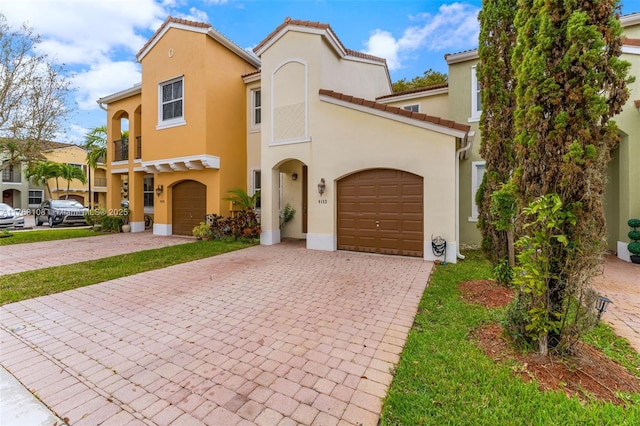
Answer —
586 374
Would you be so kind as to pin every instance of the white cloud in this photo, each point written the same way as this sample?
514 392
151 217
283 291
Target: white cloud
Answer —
104 79
455 26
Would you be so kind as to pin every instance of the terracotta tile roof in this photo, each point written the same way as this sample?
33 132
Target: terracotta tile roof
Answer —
49 145
176 21
395 110
251 73
322 26
418 90
627 41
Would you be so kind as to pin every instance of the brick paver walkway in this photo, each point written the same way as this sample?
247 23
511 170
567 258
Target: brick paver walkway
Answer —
26 257
620 282
273 335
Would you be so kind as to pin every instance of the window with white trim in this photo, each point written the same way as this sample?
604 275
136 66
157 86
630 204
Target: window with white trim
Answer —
476 100
171 102
412 108
256 108
477 173
257 184
36 197
148 192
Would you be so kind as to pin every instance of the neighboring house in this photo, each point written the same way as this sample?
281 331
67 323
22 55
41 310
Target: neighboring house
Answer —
307 121
14 186
65 153
19 192
622 194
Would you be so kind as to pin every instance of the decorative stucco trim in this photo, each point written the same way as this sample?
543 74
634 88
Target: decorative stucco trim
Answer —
194 162
306 100
270 237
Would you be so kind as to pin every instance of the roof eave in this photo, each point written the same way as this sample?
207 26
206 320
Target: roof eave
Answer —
123 94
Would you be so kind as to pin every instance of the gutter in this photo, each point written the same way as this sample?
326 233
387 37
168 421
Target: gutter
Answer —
102 107
461 154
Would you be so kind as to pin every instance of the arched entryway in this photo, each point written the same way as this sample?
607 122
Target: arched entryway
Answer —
189 205
381 211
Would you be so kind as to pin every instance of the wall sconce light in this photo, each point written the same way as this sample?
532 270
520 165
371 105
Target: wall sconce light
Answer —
601 305
294 176
321 186
159 190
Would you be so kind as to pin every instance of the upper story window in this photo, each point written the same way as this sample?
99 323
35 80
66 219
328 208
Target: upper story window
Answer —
256 107
412 108
476 100
171 103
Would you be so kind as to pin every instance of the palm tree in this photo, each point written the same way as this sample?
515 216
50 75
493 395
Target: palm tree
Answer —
95 142
40 172
243 200
69 172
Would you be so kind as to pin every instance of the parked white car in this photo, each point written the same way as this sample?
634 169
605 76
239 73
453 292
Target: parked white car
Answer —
10 217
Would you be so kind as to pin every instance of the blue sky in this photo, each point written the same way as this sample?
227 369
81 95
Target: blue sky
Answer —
97 40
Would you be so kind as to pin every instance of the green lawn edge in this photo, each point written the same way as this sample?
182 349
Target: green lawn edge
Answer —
36 236
41 282
443 379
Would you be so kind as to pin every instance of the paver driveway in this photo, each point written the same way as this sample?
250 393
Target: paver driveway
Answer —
266 335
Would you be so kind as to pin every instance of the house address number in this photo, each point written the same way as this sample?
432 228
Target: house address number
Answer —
323 201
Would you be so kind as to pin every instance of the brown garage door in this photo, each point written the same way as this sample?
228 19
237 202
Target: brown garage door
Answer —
380 211
188 207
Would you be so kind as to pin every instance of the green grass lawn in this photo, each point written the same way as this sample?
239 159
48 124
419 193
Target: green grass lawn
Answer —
444 379
25 285
22 237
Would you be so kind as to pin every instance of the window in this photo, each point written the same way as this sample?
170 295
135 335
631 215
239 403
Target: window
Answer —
256 98
477 172
476 100
171 103
257 184
148 191
412 108
35 197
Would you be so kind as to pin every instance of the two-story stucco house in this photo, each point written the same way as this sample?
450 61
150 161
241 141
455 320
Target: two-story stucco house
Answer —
305 120
622 194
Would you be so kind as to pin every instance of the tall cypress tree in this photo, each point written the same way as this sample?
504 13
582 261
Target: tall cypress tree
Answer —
570 82
496 77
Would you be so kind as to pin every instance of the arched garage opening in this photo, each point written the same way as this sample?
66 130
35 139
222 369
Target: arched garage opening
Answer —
188 206
381 211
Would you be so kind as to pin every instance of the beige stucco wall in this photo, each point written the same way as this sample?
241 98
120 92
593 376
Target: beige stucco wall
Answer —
342 141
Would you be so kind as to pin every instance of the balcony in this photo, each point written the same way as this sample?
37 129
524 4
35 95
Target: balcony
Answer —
121 150
100 182
138 147
11 176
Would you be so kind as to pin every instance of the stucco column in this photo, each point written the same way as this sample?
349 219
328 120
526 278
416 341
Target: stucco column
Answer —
136 201
113 192
269 214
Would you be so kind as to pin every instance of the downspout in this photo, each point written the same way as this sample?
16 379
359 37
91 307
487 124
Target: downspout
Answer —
102 107
461 153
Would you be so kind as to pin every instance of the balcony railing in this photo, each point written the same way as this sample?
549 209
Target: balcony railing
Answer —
121 150
13 176
138 147
100 181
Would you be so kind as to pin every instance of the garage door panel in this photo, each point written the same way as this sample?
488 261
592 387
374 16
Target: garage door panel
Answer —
189 204
393 200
